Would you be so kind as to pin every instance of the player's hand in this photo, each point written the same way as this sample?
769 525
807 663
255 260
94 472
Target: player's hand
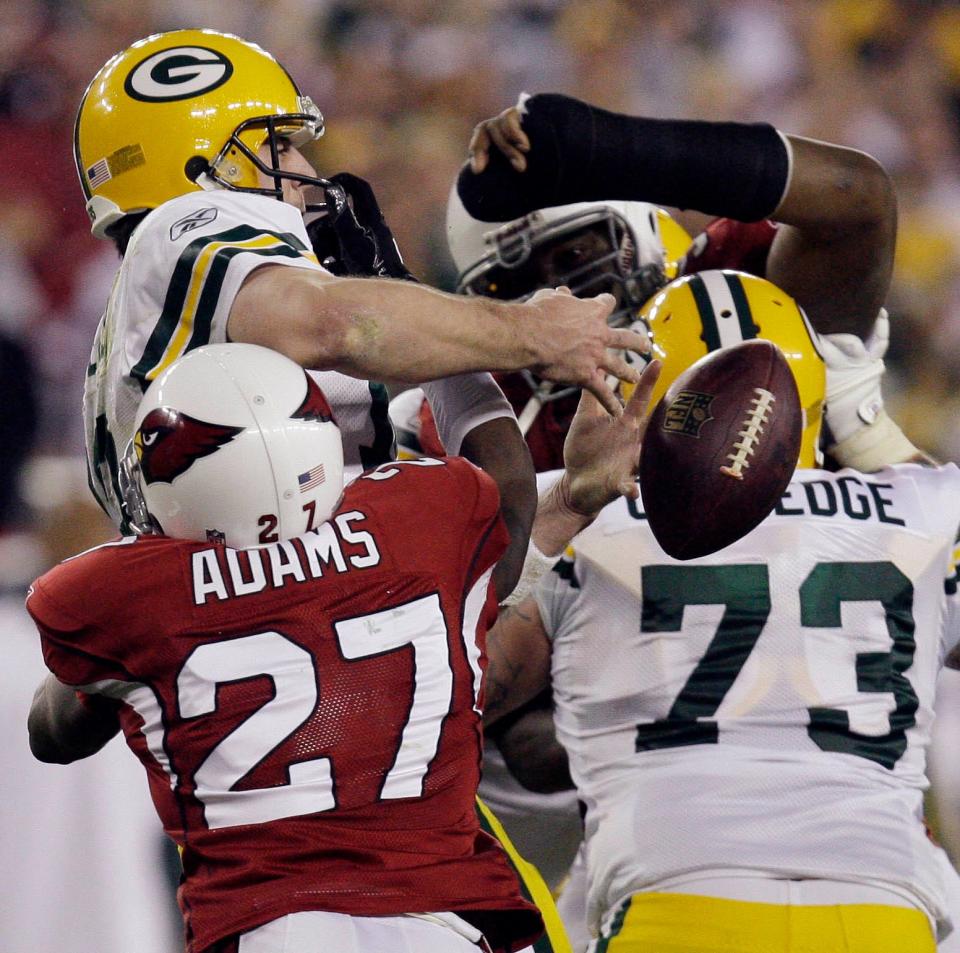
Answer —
504 132
854 370
601 453
577 346
354 238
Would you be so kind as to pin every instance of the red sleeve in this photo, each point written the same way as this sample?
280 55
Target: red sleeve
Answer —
65 639
82 608
727 243
443 515
474 502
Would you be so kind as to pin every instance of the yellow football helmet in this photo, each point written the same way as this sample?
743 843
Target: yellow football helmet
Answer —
676 242
700 313
181 111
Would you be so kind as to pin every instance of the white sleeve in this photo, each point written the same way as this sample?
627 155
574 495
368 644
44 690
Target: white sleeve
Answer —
463 402
187 262
556 593
951 586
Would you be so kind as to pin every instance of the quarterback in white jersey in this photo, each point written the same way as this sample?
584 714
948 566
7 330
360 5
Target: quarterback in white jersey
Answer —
187 148
180 275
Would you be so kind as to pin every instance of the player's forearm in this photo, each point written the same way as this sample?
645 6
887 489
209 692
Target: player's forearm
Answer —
418 333
557 521
497 447
580 153
518 660
63 729
379 328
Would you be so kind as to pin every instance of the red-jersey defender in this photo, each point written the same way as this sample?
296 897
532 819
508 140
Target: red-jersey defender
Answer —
307 711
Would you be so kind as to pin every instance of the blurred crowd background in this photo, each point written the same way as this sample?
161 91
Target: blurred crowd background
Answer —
401 84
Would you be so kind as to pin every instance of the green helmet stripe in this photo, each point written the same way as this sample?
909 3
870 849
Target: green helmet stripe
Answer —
748 328
708 318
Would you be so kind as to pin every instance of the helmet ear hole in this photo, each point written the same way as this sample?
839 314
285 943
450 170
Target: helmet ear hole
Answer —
194 167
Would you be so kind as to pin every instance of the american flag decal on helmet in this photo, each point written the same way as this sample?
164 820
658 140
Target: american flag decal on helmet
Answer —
310 479
98 173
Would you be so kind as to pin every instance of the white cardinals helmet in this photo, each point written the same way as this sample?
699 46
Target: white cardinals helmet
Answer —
621 252
233 443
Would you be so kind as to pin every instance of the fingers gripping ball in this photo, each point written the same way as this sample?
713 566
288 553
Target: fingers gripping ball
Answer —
720 448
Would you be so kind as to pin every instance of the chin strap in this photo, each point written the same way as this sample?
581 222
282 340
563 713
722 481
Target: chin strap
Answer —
863 435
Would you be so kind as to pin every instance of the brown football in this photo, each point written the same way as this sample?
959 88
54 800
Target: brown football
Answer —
720 448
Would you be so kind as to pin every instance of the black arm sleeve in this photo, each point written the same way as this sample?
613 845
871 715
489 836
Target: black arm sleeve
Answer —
579 153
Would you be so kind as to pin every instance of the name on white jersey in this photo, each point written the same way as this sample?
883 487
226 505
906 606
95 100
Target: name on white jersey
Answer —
847 497
315 554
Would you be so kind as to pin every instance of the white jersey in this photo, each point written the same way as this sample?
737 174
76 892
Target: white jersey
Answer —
766 708
182 270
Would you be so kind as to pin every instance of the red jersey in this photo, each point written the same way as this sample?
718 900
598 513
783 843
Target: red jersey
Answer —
308 713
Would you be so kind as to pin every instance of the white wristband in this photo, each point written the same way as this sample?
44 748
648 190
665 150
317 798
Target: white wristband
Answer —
535 565
872 448
463 402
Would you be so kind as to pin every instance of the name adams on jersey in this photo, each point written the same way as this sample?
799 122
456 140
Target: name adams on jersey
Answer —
220 573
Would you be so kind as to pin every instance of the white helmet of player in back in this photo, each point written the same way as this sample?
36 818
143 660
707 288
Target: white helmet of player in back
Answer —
591 247
233 443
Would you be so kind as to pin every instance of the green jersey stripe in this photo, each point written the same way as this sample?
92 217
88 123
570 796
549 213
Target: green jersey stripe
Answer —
616 926
210 296
179 286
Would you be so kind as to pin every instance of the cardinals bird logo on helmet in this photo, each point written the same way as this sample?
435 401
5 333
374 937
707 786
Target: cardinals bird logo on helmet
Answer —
168 441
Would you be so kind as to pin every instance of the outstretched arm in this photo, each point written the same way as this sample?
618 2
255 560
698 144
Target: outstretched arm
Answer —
834 255
601 456
63 728
383 329
498 448
833 250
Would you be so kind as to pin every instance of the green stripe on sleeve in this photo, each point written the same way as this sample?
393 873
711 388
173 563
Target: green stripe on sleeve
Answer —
177 289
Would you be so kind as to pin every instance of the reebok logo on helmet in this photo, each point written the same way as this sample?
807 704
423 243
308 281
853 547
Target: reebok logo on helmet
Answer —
178 73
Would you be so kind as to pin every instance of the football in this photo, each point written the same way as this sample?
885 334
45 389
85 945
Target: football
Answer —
720 448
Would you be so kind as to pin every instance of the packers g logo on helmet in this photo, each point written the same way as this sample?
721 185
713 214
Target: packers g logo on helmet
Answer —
182 111
179 73
700 313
